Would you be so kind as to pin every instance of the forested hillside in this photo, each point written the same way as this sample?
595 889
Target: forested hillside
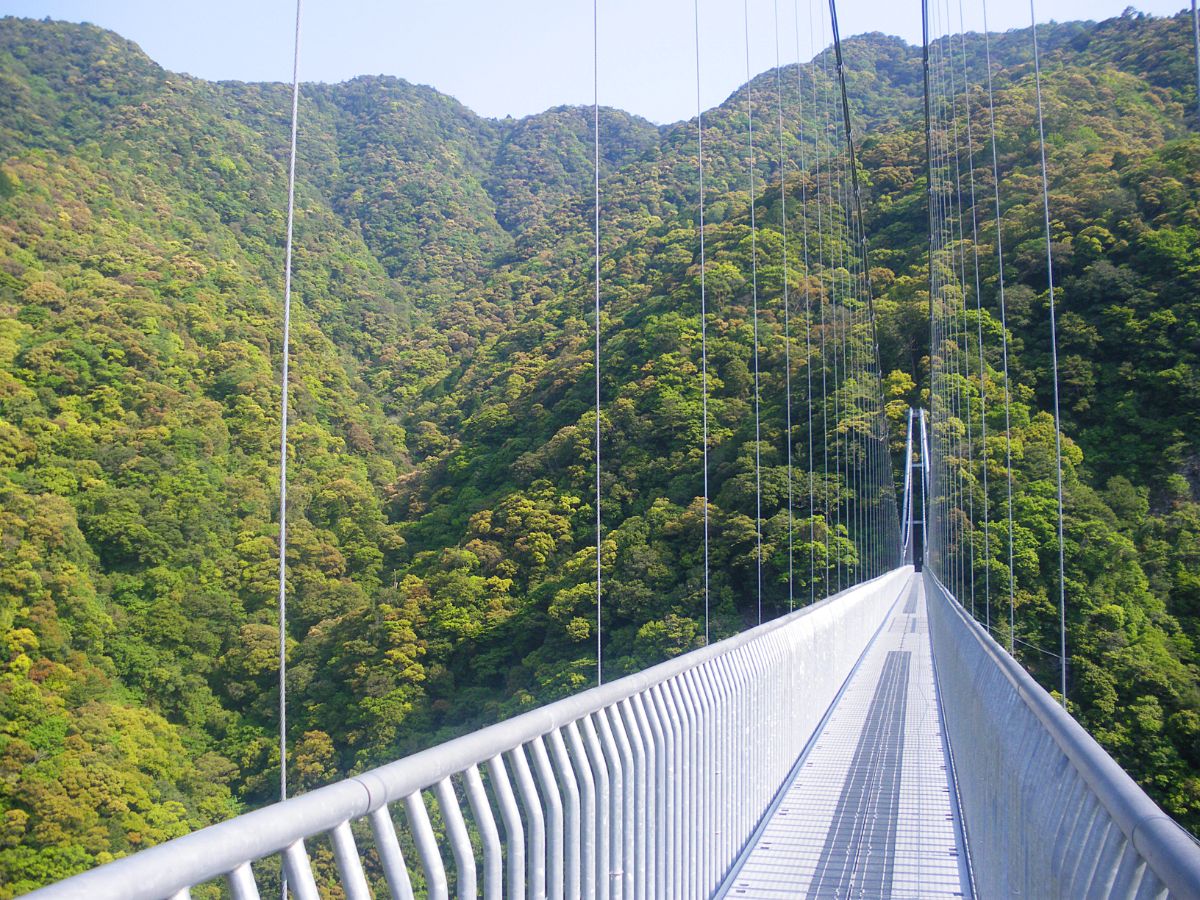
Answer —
441 556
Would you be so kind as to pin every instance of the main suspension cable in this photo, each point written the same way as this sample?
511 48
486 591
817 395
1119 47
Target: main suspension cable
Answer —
835 255
858 231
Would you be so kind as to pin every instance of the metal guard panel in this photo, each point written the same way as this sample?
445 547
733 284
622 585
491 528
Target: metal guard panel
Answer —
1048 812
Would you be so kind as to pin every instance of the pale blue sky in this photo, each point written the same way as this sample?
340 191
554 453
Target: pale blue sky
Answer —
519 56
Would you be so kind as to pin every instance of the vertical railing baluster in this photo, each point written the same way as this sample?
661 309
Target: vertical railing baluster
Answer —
687 793
299 873
618 776
349 864
428 851
695 808
535 845
652 740
565 776
395 870
692 690
589 811
489 835
553 811
459 837
657 768
514 830
669 854
708 867
724 751
742 744
241 883
628 734
716 729
599 766
628 800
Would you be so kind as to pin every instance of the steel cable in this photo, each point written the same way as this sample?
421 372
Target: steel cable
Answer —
754 295
596 348
703 318
1062 588
283 419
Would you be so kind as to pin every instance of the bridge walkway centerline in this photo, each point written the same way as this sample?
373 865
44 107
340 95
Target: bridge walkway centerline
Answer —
870 809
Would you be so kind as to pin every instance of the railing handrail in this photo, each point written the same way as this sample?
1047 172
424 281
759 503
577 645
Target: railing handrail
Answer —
213 851
1170 851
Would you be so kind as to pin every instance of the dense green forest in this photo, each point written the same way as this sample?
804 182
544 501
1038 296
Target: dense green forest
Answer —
441 516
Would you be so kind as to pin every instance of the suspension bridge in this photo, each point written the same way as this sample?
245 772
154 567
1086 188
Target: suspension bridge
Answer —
879 739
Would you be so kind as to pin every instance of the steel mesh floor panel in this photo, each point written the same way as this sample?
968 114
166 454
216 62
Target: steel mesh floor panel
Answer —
869 813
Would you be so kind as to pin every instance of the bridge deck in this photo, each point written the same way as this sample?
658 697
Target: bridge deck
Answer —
869 810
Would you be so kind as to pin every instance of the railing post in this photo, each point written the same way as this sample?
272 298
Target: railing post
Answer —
535 845
589 810
565 776
604 825
427 848
554 818
489 835
460 839
514 830
388 847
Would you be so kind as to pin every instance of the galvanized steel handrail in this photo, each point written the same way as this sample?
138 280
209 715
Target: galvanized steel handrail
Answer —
647 786
1046 808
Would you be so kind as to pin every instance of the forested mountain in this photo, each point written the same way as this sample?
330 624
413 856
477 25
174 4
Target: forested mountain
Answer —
441 554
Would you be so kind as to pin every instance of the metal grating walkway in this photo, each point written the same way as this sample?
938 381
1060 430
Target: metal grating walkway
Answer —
869 811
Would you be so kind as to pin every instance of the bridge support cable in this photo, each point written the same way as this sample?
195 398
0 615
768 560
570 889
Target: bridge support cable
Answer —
1003 305
926 480
864 397
283 420
952 548
963 383
983 456
962 358
823 306
838 199
829 341
907 503
945 355
1196 43
934 231
703 318
955 388
805 175
596 320
1062 587
758 526
787 326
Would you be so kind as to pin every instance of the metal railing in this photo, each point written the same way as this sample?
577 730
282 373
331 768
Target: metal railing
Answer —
646 787
1048 812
